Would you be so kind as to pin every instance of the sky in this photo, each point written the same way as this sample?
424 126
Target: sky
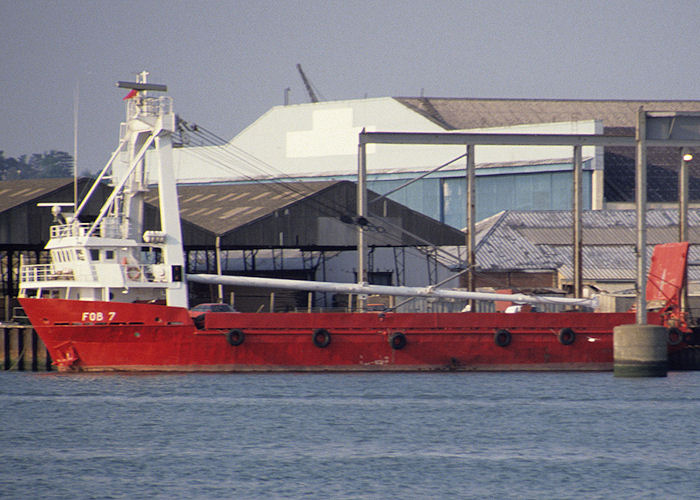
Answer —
228 62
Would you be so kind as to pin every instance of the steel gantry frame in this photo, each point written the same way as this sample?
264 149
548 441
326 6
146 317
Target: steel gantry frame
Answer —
668 129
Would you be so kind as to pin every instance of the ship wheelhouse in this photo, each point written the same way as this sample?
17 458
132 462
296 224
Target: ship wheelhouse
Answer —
101 267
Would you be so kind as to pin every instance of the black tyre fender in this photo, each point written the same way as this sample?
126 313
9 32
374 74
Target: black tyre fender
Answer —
199 322
689 338
235 336
397 340
566 336
321 337
675 336
502 337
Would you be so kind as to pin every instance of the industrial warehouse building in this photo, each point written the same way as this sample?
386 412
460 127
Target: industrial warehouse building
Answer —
529 249
299 230
320 140
276 200
307 231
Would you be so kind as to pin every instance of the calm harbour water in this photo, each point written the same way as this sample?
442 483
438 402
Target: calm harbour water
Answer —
404 435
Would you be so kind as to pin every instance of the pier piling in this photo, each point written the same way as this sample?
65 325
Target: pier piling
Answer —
23 350
640 351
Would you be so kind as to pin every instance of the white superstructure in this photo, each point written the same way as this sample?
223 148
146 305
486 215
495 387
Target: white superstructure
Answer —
114 258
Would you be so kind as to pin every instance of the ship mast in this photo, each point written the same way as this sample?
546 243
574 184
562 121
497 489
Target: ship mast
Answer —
151 122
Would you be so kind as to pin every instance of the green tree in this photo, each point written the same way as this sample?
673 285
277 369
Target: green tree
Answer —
13 168
50 164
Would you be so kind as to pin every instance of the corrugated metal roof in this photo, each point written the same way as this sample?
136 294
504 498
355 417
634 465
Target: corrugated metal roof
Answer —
543 240
619 263
605 235
656 218
220 208
501 246
15 193
461 113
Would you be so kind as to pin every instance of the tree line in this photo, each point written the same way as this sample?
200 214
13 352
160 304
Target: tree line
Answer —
50 164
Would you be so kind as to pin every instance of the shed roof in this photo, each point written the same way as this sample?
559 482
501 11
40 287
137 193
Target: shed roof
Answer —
299 214
251 215
467 113
543 240
220 208
15 193
24 223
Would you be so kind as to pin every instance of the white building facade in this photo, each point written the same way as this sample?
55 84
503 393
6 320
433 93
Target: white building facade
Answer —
320 140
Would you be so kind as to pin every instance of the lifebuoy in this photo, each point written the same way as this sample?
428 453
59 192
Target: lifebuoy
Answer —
397 340
502 337
133 273
321 337
235 337
675 336
566 336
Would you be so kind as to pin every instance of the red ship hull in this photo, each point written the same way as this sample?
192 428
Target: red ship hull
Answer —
103 336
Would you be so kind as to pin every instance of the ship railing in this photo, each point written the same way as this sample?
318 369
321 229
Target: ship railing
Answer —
108 229
47 272
149 106
69 230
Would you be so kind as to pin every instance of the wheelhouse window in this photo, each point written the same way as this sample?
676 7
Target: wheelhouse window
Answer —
151 255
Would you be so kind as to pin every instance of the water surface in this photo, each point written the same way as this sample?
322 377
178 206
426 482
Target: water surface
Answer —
365 436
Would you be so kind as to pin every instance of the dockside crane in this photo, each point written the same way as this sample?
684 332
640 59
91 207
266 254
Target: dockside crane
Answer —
307 84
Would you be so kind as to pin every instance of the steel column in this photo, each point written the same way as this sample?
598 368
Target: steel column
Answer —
471 220
641 200
361 215
220 287
577 215
683 218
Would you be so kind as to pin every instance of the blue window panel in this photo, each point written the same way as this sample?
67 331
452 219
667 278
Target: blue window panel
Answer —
454 192
494 193
445 199
422 196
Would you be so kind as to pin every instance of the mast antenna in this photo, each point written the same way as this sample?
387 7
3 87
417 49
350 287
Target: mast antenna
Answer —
76 97
142 86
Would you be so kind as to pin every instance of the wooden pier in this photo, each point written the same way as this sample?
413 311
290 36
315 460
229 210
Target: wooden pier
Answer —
21 349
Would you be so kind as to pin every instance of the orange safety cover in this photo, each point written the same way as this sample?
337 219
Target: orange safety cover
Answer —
667 273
